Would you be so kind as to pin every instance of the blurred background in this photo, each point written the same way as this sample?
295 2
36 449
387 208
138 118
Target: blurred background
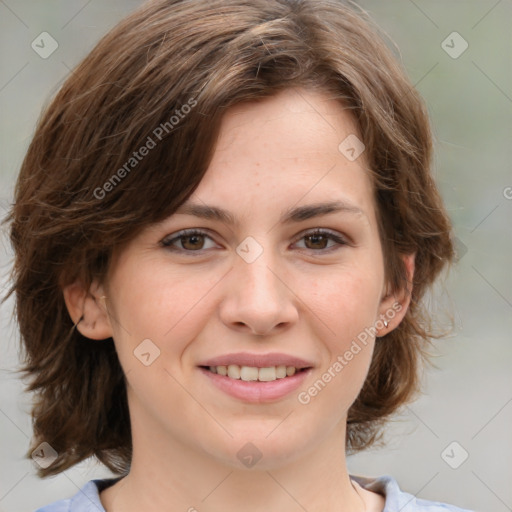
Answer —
453 444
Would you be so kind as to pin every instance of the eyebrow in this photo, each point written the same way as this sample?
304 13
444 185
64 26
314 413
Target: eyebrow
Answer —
298 214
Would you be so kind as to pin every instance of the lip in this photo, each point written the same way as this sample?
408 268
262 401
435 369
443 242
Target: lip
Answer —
256 391
258 360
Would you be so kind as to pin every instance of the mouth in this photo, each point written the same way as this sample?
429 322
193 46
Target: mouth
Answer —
256 378
255 373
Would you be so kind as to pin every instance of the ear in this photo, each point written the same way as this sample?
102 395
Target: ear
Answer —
394 305
87 310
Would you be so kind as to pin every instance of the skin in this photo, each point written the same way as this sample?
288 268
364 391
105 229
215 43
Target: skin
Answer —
301 296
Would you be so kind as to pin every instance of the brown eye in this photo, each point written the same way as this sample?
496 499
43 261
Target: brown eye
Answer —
317 241
187 241
192 242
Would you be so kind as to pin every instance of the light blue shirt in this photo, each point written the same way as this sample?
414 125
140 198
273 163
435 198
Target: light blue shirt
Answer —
87 499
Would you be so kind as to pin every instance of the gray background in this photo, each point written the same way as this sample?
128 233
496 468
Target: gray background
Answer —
468 397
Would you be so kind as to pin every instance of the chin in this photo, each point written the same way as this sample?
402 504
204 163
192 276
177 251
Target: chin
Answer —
255 450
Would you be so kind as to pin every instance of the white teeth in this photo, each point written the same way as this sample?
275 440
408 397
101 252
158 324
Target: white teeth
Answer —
267 374
290 370
248 373
234 371
252 373
281 372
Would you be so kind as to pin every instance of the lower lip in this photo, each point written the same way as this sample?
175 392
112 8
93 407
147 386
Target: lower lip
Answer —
256 391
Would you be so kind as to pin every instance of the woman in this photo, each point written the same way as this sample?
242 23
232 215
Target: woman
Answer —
223 229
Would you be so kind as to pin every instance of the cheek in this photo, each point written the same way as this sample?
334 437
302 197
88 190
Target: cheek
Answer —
154 301
347 303
346 299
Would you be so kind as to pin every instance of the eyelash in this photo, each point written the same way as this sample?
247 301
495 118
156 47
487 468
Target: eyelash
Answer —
167 242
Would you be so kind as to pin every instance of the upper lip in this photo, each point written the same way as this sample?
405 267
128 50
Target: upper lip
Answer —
258 360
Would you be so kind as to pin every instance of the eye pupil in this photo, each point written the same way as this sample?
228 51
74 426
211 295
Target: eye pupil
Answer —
318 239
194 243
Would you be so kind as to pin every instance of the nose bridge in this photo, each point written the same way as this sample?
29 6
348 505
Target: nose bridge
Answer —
257 296
253 268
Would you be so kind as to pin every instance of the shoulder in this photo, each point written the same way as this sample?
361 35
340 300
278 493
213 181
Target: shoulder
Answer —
87 499
397 499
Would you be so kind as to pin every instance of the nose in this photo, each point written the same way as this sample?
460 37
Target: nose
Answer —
258 299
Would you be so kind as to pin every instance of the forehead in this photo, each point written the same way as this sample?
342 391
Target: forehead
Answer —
300 117
287 149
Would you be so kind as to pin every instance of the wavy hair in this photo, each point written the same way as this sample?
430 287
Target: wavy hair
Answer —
70 212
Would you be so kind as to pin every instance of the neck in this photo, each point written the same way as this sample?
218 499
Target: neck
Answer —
166 475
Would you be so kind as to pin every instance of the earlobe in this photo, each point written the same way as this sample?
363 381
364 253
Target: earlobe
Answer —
87 310
394 305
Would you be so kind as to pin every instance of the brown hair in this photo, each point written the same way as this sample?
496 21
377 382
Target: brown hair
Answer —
71 212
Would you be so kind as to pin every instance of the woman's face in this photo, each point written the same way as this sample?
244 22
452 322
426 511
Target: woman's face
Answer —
256 288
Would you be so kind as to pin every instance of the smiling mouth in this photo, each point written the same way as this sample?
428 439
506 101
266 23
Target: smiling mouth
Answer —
253 373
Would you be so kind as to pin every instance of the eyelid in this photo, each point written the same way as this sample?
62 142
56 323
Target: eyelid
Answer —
339 239
323 231
167 240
